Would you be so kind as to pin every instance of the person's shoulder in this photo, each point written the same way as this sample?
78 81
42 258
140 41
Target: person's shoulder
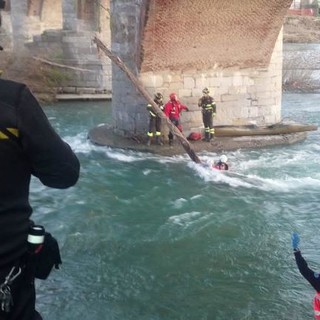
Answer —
5 83
10 87
10 91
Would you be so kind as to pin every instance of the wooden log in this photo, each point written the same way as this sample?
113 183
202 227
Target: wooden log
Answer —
115 59
276 129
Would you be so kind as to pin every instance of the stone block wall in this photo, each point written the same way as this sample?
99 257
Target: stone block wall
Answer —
243 96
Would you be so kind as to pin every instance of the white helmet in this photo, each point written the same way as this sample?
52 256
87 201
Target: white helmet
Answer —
224 158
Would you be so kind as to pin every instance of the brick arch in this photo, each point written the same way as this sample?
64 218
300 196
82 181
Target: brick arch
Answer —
7 6
51 13
47 10
35 7
86 10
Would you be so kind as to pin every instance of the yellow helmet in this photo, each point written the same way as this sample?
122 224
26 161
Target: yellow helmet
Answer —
205 91
158 96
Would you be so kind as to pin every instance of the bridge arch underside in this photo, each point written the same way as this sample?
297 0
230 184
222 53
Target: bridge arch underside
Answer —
234 48
184 34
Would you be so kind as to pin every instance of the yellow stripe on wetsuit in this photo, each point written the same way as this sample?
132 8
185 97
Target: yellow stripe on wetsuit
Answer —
4 136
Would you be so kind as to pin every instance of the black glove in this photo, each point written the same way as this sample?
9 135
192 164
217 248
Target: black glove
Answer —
187 109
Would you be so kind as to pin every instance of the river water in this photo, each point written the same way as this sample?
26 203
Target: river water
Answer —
154 238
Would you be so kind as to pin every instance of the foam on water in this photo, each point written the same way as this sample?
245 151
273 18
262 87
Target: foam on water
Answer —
269 171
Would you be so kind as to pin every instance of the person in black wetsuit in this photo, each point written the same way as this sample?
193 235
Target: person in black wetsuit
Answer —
28 146
311 276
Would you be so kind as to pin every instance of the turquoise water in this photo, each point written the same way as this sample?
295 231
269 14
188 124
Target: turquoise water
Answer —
155 238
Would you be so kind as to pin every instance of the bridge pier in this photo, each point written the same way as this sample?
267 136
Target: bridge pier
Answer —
241 66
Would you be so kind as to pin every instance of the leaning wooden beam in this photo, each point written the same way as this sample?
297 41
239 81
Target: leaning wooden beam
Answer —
185 143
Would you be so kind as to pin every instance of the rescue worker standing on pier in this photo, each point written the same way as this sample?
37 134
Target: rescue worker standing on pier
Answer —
172 110
208 105
155 121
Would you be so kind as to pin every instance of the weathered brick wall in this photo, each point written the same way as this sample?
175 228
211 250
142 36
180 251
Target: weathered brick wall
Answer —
186 34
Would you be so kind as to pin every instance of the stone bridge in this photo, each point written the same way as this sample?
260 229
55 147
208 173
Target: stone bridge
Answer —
234 48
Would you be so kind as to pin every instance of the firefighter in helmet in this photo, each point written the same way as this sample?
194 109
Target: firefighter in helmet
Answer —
155 120
208 105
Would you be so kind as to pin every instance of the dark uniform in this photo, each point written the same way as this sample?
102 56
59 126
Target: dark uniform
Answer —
155 121
208 106
28 146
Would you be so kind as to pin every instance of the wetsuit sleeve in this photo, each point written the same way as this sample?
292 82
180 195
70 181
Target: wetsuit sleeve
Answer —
183 107
51 159
312 277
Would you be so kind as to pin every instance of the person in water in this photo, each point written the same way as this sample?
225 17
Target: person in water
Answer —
312 277
222 163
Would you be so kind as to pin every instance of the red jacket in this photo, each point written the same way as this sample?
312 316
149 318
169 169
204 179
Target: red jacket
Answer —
172 109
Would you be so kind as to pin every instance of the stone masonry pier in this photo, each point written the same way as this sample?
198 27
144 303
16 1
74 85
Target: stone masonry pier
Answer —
233 48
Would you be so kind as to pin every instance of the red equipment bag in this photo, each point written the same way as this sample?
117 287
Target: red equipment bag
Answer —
195 136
